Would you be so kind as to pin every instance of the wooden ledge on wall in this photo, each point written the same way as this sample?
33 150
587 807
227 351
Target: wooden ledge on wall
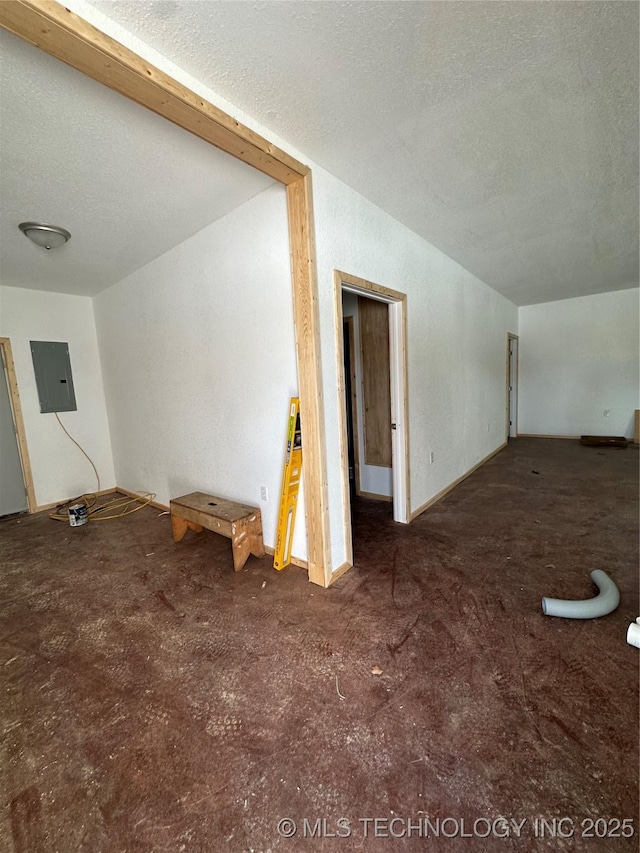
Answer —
140 495
374 497
50 506
540 435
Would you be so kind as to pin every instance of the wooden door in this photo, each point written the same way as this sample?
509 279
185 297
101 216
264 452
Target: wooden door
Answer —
376 381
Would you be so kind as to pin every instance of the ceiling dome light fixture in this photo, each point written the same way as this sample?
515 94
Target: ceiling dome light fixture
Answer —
47 236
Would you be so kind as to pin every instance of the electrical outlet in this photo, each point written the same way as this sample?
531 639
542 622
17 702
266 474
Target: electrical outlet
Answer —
431 458
264 495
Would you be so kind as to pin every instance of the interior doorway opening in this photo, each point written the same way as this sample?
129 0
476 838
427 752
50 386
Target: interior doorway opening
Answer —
71 39
16 483
372 373
351 411
369 420
512 386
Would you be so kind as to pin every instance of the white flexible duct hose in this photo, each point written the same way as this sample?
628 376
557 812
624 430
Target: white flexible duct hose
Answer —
633 633
605 602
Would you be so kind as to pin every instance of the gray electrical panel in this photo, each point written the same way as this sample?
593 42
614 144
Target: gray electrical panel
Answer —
53 376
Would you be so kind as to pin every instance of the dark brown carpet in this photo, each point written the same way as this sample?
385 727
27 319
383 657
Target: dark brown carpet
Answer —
153 700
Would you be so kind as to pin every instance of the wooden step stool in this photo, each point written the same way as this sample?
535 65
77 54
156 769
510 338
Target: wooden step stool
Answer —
238 522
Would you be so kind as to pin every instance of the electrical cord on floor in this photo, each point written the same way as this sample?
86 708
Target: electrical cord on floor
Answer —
113 508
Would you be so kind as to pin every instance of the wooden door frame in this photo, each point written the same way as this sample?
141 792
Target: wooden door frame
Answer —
399 374
18 421
64 35
512 337
374 362
353 402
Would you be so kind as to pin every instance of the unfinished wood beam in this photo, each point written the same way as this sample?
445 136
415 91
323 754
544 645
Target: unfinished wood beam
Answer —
14 397
307 324
60 33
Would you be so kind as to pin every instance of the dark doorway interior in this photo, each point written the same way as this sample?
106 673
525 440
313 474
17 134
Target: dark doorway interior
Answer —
347 329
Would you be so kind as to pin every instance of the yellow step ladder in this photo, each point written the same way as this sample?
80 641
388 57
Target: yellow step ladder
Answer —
290 487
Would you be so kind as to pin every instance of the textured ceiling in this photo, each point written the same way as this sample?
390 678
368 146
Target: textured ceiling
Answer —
505 133
127 184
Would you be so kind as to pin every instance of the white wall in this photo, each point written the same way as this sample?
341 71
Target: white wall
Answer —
457 325
198 355
60 471
374 479
457 342
578 359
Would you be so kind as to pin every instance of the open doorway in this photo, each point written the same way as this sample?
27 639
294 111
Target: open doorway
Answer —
16 484
368 396
372 371
67 37
351 402
512 386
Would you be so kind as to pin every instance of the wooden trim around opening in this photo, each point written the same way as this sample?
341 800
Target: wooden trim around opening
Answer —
369 286
341 570
388 295
61 33
14 397
405 395
342 421
307 326
455 483
512 337
353 402
64 35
